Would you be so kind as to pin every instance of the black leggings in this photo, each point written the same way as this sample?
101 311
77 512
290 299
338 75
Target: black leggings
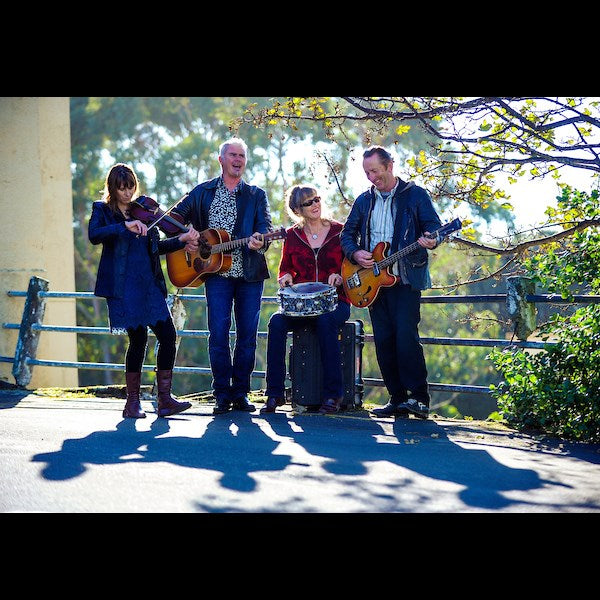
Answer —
138 340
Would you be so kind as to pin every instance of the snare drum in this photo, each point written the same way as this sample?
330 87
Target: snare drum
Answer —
307 299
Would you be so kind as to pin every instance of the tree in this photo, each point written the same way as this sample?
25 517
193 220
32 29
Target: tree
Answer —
470 140
467 143
558 390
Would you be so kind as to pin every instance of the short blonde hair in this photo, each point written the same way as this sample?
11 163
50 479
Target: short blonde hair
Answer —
295 196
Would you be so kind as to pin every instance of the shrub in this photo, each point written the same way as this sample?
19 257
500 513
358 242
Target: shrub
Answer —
557 390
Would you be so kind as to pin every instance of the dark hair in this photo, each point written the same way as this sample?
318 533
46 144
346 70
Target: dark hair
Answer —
384 156
120 175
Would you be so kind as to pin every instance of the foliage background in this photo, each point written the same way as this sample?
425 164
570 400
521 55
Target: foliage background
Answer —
558 390
172 144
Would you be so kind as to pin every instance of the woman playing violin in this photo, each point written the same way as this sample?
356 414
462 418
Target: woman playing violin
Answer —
130 277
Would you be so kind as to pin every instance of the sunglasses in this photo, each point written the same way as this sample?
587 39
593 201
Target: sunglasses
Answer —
310 202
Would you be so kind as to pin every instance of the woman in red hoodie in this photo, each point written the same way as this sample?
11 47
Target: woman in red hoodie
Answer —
311 253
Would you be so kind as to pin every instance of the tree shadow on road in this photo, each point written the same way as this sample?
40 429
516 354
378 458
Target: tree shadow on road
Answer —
404 466
223 447
423 449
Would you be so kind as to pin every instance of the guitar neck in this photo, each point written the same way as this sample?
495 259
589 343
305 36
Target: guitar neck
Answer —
225 246
441 234
230 245
390 260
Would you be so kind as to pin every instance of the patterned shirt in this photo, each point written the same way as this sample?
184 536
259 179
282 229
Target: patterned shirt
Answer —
222 215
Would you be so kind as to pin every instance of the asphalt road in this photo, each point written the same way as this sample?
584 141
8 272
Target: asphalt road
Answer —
78 455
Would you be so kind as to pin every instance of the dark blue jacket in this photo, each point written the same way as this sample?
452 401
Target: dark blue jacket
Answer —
415 214
108 229
252 215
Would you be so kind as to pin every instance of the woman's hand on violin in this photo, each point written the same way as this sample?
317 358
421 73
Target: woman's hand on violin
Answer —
335 279
137 227
285 280
256 242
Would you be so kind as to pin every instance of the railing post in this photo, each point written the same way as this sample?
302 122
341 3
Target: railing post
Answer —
521 311
33 314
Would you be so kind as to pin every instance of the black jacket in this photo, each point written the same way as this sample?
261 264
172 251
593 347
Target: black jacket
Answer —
252 215
415 214
108 229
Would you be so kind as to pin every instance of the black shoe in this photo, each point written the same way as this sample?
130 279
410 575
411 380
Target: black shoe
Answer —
271 404
243 404
222 406
415 407
390 410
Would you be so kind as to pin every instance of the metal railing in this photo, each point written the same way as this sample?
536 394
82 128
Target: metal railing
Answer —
520 301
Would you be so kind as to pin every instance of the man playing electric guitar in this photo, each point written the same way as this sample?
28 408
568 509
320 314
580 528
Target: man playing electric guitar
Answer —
400 214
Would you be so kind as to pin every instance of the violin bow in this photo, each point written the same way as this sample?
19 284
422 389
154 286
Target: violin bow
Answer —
167 211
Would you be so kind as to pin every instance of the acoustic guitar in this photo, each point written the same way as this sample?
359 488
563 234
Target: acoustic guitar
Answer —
362 284
190 269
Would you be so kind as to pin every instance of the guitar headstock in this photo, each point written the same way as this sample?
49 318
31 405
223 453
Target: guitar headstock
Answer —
445 230
278 234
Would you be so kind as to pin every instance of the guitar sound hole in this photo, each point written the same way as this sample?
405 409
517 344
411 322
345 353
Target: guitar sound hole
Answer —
205 254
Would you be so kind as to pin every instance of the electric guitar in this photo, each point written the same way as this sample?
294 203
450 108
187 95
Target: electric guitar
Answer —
362 284
190 269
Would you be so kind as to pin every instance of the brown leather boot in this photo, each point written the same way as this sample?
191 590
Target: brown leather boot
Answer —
167 405
133 407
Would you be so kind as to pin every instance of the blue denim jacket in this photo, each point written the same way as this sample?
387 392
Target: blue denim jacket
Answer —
415 214
108 229
252 215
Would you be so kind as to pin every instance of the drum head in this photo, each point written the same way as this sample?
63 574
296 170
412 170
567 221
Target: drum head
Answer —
309 287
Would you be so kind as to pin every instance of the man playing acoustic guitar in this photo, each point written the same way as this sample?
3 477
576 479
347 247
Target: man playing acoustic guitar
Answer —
400 214
241 210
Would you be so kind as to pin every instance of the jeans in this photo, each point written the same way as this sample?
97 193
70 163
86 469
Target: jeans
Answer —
327 327
231 379
395 317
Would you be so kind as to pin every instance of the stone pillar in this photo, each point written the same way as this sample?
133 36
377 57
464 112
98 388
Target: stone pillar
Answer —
37 232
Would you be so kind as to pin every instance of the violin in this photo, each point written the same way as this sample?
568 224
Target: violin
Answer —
148 211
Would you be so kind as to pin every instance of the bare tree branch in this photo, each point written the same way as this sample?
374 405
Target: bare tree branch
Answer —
522 246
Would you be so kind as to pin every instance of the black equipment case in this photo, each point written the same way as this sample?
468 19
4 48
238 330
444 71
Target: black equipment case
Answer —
306 371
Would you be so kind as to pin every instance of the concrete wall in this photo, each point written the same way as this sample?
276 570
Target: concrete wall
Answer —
36 226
